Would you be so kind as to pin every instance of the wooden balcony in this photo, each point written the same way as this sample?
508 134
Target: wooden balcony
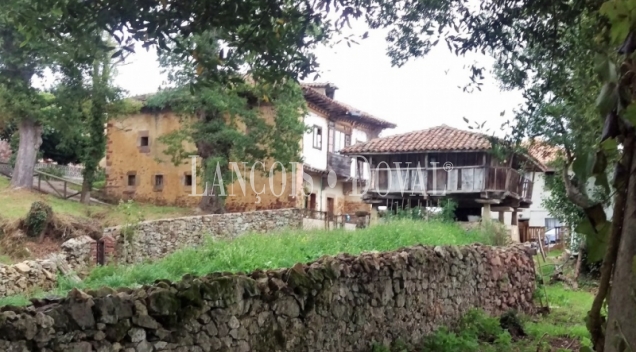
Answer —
437 181
340 164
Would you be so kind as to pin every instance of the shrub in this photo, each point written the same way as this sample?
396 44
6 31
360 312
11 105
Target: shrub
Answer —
53 170
476 331
38 219
496 233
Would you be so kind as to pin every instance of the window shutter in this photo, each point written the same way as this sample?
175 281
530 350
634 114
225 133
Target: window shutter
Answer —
331 137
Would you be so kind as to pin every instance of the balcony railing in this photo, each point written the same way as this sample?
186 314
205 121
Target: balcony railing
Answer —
340 164
456 180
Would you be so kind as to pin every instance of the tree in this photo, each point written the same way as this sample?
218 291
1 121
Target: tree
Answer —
531 42
57 144
228 122
86 95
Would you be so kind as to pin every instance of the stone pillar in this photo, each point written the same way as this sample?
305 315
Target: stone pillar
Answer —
486 216
515 217
501 216
485 212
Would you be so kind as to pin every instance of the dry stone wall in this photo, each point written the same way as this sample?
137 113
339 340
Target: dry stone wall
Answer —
156 239
41 274
341 303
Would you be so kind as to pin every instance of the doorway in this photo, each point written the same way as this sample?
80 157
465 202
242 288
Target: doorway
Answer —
523 230
330 207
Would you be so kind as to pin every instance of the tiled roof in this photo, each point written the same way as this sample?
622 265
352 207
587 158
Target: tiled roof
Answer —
341 109
319 85
543 152
440 138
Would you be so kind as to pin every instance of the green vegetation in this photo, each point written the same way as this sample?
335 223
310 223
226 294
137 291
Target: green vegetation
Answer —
563 329
269 251
15 204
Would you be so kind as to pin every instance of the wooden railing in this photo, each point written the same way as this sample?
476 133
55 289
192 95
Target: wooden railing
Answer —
340 164
455 180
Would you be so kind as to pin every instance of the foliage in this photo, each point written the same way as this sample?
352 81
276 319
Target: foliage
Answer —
558 204
14 204
38 219
53 170
132 218
57 145
277 250
496 232
448 210
246 122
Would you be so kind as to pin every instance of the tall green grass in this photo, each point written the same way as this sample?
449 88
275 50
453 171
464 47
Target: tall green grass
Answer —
279 250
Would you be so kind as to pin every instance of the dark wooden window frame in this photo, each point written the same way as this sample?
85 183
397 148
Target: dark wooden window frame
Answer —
317 144
158 186
187 176
128 178
143 136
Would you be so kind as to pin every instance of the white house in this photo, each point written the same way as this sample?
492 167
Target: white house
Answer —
329 177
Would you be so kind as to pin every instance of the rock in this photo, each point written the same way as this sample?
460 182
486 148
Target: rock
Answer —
23 268
137 334
145 321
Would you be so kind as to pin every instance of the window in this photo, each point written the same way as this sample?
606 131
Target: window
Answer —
158 180
132 180
317 137
144 141
341 140
187 180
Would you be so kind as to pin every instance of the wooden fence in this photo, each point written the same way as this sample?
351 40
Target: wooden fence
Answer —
534 233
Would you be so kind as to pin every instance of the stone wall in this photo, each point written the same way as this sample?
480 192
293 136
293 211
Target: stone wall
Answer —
156 239
341 303
41 274
27 276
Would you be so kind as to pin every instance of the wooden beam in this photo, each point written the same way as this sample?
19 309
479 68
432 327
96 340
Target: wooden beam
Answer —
488 201
502 209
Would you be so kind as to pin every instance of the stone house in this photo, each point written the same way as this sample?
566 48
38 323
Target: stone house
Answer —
420 168
137 167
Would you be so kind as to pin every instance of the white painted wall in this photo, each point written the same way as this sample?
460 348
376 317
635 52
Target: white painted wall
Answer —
316 158
537 213
358 136
327 192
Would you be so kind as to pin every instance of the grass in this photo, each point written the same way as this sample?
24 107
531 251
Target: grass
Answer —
269 251
563 327
15 204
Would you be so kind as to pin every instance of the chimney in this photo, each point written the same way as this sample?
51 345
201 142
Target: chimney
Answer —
330 90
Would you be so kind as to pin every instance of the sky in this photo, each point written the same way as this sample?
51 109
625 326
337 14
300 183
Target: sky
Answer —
421 94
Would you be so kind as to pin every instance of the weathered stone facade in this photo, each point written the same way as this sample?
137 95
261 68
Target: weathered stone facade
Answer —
341 303
156 239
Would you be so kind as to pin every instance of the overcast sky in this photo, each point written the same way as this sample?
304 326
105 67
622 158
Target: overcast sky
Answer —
421 94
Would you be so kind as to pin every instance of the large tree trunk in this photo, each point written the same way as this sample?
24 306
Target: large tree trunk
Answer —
30 141
620 332
85 197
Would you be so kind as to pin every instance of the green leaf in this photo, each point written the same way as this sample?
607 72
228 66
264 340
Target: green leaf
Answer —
629 113
609 145
582 165
585 349
607 98
634 265
605 69
596 238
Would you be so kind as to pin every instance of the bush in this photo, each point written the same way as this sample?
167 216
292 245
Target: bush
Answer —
38 219
52 170
476 331
496 233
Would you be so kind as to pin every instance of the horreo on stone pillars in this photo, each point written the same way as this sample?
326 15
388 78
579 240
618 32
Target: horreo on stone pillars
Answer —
486 215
